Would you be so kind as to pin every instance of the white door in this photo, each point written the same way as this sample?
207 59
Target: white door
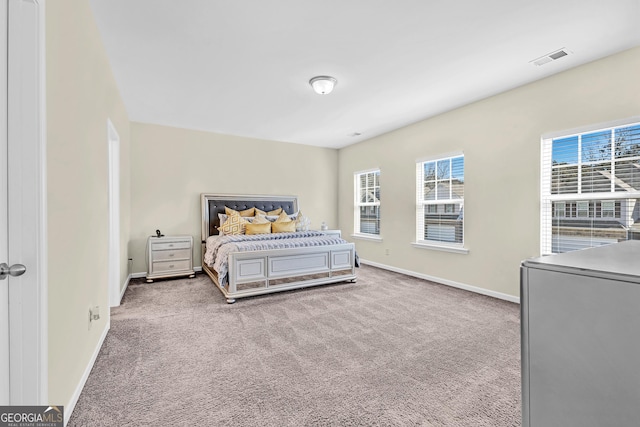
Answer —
23 298
4 247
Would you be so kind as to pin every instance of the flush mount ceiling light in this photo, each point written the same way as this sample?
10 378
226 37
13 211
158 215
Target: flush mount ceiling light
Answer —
323 85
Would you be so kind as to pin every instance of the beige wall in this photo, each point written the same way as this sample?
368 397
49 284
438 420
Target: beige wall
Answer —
500 138
171 167
81 96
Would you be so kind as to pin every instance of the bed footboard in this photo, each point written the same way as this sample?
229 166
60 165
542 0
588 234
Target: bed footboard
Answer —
261 272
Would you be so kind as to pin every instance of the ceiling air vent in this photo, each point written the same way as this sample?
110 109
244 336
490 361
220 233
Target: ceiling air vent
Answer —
550 57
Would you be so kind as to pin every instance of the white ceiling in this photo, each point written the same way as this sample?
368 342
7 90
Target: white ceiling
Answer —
242 67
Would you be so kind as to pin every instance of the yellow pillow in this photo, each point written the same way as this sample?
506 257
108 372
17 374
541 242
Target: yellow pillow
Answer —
283 227
260 219
273 212
234 224
258 228
283 217
245 213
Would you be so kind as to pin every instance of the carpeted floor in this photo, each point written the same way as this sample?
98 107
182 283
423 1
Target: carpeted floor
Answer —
389 350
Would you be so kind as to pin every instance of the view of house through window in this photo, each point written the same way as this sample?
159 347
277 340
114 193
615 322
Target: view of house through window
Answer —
440 201
590 189
367 203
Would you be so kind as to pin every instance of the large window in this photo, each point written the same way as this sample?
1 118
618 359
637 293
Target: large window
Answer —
440 201
590 189
367 203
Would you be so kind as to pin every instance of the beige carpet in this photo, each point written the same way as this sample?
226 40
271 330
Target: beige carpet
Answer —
389 350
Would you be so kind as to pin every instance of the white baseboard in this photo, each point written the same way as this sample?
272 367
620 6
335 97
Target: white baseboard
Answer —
124 288
144 273
69 407
451 283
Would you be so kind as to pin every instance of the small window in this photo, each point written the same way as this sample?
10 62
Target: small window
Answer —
560 209
608 209
367 203
583 209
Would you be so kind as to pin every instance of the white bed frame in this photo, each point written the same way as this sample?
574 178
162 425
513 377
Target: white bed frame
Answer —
275 270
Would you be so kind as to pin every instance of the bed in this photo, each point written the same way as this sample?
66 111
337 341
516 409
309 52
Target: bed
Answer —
244 266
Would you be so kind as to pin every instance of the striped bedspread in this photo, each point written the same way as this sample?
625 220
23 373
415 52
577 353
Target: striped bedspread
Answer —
219 247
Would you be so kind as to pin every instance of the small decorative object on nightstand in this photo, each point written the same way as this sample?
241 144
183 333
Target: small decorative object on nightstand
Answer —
169 256
324 226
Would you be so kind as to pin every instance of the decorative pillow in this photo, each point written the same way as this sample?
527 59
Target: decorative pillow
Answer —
223 218
273 212
260 219
246 212
283 217
234 224
283 227
302 222
262 228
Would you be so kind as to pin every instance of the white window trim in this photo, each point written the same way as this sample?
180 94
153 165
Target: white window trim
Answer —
547 199
440 157
420 204
358 204
365 236
424 244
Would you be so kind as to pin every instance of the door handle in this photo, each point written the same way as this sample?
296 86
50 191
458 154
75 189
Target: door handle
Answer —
15 270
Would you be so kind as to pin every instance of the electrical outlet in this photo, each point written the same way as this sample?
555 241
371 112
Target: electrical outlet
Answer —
386 251
94 314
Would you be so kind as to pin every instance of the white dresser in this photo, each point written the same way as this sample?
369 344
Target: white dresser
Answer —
580 339
169 256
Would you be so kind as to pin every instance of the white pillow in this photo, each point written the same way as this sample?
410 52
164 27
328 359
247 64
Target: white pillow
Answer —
273 218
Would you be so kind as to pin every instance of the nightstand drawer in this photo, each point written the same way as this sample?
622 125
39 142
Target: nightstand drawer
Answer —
164 266
178 254
170 245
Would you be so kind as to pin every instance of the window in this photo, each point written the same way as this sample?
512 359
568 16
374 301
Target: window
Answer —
608 209
440 201
560 209
583 209
367 203
590 189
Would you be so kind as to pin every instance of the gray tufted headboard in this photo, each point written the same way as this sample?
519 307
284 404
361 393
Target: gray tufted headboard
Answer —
213 204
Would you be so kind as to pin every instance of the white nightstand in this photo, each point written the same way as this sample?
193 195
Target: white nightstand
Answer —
169 256
337 233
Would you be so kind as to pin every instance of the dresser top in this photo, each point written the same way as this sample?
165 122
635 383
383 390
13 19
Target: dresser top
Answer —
618 258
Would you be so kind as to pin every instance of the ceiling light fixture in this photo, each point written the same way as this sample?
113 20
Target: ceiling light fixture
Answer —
323 85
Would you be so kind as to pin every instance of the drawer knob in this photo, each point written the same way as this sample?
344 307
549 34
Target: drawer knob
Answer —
171 254
171 266
170 245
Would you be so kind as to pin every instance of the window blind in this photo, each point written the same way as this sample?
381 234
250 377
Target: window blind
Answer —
367 202
590 189
440 201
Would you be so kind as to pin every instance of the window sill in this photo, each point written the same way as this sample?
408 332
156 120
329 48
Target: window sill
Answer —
371 237
444 248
